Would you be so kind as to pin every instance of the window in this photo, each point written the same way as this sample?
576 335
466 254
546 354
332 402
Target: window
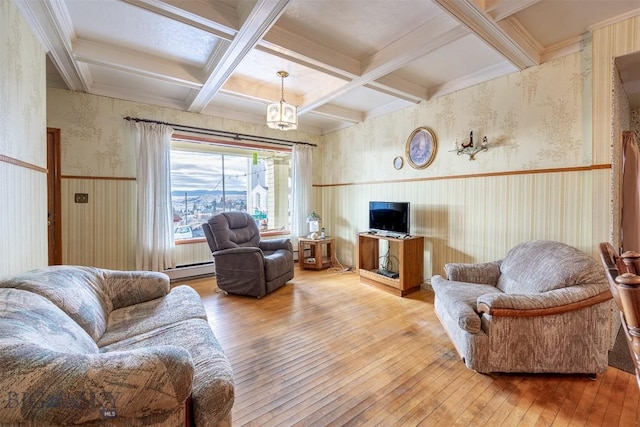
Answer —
208 177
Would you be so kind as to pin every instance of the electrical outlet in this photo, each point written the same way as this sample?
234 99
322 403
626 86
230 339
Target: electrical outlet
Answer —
82 198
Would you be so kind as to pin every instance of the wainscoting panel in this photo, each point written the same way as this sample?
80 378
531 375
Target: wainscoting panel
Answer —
24 219
478 219
102 232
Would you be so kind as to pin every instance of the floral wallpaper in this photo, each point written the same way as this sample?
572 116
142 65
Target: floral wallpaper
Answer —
620 122
97 141
22 86
635 123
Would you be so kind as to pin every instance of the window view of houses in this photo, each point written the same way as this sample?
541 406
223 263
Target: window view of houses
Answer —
205 183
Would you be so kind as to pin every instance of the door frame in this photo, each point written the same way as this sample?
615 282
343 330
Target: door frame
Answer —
54 217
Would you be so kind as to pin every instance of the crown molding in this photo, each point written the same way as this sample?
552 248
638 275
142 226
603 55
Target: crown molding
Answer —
50 22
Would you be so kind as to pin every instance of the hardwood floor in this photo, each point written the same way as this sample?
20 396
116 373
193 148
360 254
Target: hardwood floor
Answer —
326 350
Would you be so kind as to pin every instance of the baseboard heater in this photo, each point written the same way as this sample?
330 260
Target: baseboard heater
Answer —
191 270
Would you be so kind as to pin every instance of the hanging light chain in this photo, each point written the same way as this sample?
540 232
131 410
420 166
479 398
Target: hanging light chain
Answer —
282 75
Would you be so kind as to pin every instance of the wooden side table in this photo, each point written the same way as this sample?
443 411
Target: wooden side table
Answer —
316 254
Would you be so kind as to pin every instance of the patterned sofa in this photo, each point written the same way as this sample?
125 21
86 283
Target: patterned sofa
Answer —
82 345
545 307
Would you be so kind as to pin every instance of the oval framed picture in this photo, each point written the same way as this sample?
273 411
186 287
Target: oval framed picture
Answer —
398 161
421 147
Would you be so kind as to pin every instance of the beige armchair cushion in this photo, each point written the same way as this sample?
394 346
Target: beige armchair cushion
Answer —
463 305
540 266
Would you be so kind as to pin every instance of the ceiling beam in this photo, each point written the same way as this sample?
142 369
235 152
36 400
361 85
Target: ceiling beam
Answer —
436 33
300 50
340 113
501 9
217 18
256 90
399 88
135 62
293 47
481 24
223 62
519 34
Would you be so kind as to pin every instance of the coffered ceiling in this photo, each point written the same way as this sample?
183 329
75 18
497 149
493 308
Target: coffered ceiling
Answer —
348 60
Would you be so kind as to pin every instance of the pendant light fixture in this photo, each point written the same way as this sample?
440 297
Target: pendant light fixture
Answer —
282 115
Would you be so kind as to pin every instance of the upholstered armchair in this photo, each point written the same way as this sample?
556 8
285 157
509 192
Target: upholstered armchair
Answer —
545 307
244 264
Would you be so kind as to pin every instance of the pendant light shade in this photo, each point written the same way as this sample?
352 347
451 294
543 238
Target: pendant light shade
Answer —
282 115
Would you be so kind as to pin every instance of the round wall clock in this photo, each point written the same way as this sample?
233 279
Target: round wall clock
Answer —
398 162
421 147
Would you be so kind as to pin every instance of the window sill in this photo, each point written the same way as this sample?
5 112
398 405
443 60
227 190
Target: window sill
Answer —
267 233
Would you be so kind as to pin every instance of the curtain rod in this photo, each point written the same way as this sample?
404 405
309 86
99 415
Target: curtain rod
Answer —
222 133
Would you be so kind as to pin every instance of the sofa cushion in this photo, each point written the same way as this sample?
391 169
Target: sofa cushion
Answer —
31 322
78 291
183 302
144 386
460 300
213 389
486 273
540 266
133 287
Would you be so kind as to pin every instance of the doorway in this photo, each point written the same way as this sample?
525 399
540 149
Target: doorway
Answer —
625 104
54 228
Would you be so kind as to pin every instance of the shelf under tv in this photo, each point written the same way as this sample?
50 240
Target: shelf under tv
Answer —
410 259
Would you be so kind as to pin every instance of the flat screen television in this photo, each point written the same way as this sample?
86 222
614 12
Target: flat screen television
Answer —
390 217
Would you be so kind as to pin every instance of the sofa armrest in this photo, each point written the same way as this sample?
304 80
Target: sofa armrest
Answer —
486 273
543 304
66 389
273 245
133 287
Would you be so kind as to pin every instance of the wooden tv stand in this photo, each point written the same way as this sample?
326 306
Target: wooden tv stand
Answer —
410 254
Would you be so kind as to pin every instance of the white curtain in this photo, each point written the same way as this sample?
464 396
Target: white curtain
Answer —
301 190
154 240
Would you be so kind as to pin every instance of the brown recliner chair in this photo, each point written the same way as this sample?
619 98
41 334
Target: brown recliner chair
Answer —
244 264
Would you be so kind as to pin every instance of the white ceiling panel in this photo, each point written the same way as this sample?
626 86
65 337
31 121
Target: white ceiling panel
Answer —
362 99
453 61
552 21
262 67
121 24
358 28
